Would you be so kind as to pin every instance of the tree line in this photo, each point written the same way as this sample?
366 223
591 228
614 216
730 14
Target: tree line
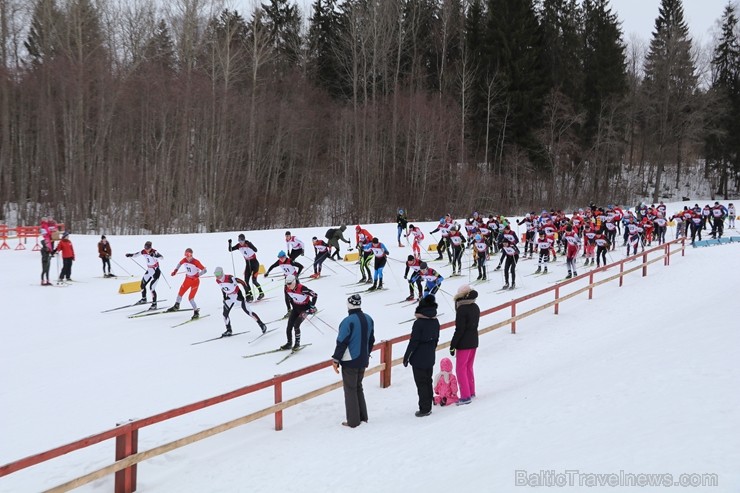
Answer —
136 116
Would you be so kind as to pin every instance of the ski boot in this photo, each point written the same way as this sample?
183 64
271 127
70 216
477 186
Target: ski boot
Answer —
569 275
539 269
263 327
479 277
261 295
361 281
373 287
286 346
380 284
506 286
575 274
315 275
142 301
297 344
498 267
227 333
196 314
545 270
513 286
153 306
174 307
410 297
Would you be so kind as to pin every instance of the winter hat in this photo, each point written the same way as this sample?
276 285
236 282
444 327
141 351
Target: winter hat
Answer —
102 237
445 365
428 301
463 291
354 302
65 234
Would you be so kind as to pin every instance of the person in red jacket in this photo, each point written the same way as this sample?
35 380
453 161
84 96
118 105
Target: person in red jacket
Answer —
193 270
68 256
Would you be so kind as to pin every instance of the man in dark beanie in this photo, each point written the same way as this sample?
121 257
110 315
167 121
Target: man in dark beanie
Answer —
421 352
355 341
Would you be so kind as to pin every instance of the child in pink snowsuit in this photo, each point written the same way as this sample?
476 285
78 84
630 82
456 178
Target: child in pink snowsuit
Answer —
445 384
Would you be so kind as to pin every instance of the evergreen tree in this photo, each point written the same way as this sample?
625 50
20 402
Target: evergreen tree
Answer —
159 50
283 22
604 64
43 38
562 45
324 31
722 144
514 57
670 84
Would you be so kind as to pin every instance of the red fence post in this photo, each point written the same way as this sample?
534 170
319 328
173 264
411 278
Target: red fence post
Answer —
557 295
644 264
20 232
4 236
513 314
590 287
386 356
621 273
126 444
667 259
278 400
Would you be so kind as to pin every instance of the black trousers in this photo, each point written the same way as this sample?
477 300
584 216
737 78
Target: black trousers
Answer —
354 396
423 380
66 269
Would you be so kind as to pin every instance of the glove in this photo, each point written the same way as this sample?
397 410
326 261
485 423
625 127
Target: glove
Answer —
229 241
405 363
404 278
311 310
452 351
335 365
129 255
174 272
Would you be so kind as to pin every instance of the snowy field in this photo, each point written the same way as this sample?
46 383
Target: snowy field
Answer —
642 379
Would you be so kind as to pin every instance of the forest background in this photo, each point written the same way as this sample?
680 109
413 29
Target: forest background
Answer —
185 116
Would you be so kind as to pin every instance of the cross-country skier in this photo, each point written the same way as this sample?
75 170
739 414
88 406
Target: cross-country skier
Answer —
151 276
193 270
288 266
364 244
413 264
301 302
105 252
251 265
294 246
229 286
572 245
431 277
511 252
380 252
544 245
480 249
418 236
321 253
719 212
401 223
731 215
457 243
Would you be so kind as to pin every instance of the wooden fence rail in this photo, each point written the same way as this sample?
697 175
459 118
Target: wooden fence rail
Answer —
127 454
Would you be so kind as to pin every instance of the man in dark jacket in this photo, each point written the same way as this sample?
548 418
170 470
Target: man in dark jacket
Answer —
464 342
355 341
421 352
334 238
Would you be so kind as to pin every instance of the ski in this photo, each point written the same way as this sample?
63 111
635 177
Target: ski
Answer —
353 284
292 352
161 311
402 301
191 320
284 317
316 278
264 352
262 334
219 337
129 306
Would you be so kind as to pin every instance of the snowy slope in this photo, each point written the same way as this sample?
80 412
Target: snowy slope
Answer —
642 379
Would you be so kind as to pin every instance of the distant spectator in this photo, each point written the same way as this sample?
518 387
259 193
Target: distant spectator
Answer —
105 252
421 350
334 236
355 341
68 256
46 254
464 342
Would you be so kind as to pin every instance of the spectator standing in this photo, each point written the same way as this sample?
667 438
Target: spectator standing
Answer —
46 254
105 252
421 350
355 341
464 342
68 256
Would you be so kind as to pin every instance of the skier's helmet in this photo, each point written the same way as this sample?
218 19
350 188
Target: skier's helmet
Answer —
148 244
281 254
289 279
423 265
218 272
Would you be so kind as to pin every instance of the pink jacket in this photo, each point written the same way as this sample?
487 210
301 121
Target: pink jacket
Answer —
445 384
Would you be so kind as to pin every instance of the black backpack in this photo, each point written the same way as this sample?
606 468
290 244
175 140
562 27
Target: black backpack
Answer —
330 233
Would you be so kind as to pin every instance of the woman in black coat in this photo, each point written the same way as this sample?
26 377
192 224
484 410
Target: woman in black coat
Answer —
421 352
464 342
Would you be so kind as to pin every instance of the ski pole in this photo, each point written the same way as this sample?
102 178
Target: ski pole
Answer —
121 267
316 326
323 322
137 263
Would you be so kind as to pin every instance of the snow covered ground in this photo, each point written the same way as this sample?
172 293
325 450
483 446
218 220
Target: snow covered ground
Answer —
640 380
